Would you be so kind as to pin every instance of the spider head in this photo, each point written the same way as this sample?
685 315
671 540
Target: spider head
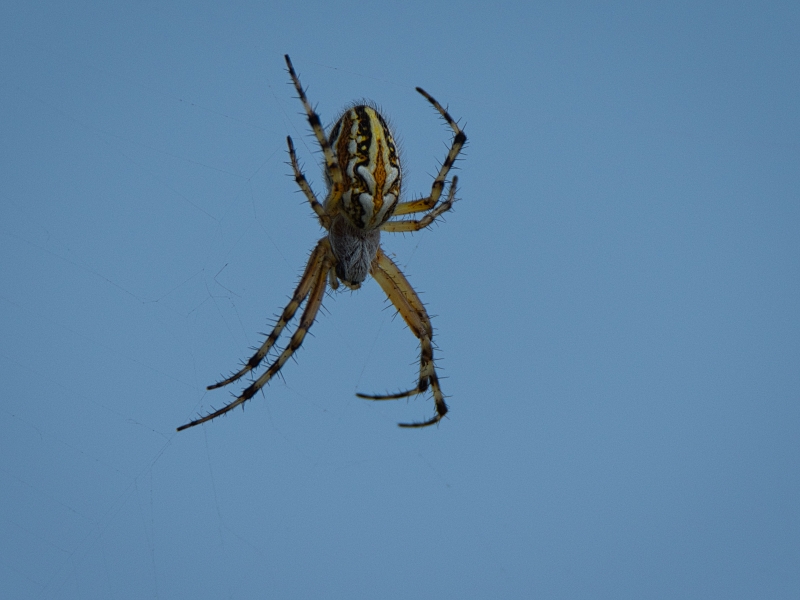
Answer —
368 159
354 249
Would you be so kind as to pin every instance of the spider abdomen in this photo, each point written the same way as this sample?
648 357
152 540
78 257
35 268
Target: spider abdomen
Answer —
367 156
354 249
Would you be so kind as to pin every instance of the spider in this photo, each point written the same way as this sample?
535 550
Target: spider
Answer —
363 177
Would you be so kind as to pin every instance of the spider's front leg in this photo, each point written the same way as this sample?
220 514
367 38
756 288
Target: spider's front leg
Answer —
299 296
312 285
410 307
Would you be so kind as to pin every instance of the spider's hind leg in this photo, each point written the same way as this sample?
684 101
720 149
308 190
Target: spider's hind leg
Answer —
303 184
410 307
407 225
332 167
459 141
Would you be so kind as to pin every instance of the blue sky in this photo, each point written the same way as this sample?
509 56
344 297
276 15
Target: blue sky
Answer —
615 297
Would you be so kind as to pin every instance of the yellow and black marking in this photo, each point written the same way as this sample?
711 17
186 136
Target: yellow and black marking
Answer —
371 172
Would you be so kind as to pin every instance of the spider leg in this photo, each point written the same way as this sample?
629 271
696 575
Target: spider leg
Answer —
331 164
459 140
410 307
317 277
428 219
306 281
303 184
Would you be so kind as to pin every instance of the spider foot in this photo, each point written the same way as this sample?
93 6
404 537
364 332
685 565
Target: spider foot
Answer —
441 407
432 421
231 379
217 385
407 394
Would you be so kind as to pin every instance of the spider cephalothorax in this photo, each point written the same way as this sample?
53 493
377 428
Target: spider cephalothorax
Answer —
363 175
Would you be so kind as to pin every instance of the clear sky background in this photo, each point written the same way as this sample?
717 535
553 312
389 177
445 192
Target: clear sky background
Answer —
616 300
